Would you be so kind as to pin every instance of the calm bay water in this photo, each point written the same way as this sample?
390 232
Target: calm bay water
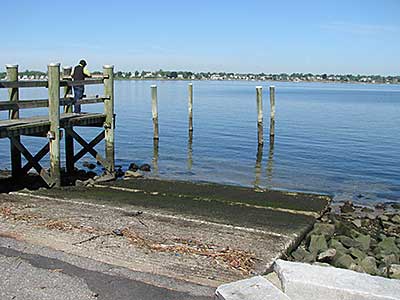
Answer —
341 139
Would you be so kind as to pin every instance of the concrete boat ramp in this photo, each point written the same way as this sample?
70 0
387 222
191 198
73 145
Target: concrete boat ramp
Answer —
181 237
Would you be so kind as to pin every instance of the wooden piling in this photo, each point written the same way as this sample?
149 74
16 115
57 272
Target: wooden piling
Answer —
54 117
69 140
190 105
67 71
272 102
260 116
109 125
13 93
154 110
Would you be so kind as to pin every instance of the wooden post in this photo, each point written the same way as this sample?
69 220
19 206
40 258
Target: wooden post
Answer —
67 71
259 115
190 98
190 151
54 117
109 125
13 93
154 110
69 140
272 101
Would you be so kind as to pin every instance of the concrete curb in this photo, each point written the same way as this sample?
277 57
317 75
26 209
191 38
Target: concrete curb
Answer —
302 281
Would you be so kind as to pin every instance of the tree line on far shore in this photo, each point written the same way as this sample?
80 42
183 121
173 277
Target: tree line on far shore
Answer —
187 75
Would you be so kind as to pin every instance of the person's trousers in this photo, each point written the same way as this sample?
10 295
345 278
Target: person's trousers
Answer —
78 94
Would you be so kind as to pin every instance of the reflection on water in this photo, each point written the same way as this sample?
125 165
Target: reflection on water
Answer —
155 156
190 151
270 162
259 156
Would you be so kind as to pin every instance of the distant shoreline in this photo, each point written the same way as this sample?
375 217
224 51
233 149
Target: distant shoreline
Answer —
244 80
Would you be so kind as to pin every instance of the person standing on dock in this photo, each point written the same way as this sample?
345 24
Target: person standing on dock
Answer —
80 73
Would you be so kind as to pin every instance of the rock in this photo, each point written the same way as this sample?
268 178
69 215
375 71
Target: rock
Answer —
133 167
325 229
364 240
357 268
357 254
357 223
390 259
388 246
343 261
396 219
119 173
327 255
369 265
380 206
79 183
91 174
145 168
133 174
89 165
347 207
333 243
367 209
317 244
105 178
396 205
394 271
348 242
383 218
89 182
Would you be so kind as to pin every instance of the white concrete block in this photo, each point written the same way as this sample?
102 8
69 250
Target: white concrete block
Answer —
255 288
304 282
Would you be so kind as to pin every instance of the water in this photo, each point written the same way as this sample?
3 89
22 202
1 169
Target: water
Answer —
341 139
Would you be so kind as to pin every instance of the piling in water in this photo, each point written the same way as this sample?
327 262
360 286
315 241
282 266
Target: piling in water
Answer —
154 110
259 115
272 102
190 105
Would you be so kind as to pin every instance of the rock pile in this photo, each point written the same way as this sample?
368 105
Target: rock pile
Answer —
357 238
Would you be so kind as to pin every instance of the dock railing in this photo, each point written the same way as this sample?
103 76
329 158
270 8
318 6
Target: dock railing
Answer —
50 126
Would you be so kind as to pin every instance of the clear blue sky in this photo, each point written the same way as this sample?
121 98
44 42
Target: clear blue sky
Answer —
205 35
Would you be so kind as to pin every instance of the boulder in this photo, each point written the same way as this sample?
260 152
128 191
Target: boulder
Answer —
299 254
133 174
357 254
343 261
347 207
317 244
327 255
145 168
349 242
325 229
133 167
369 265
396 219
364 240
388 246
394 271
88 165
333 243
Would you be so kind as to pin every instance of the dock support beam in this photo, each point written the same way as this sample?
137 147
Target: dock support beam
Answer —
260 116
154 110
109 124
54 117
272 121
16 164
190 105
69 140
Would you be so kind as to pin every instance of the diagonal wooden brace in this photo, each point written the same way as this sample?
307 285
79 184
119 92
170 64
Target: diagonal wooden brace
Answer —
36 158
88 148
35 164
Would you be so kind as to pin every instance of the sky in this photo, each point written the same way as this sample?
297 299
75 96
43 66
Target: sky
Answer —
249 36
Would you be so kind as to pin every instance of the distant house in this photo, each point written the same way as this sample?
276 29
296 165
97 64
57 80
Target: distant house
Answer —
180 76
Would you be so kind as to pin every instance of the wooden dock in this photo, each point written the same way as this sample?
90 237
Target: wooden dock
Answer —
55 125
